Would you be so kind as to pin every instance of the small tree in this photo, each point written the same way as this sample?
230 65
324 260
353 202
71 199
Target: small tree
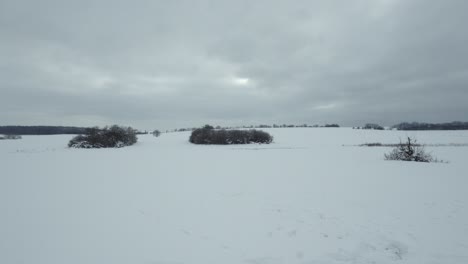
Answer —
156 133
409 151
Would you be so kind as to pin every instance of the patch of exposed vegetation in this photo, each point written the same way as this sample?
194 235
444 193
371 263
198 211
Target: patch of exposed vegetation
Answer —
10 137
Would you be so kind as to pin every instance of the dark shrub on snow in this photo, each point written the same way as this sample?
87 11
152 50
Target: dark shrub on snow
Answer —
107 137
209 136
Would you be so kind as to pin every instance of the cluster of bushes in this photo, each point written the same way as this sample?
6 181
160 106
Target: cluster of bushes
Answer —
410 151
10 137
373 126
107 137
210 136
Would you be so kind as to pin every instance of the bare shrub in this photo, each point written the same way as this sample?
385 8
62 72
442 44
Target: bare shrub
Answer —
409 151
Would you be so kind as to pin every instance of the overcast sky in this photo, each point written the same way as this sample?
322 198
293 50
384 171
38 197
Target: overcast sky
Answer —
166 64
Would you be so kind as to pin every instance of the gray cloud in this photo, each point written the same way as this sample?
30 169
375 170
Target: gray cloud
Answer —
182 63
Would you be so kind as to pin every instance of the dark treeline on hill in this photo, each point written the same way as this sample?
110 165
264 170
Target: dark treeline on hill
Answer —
427 126
210 136
257 126
40 130
372 126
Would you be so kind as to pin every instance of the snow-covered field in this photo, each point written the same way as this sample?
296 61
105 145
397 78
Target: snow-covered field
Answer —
304 199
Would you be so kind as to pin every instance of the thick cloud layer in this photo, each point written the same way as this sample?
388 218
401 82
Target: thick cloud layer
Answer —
178 63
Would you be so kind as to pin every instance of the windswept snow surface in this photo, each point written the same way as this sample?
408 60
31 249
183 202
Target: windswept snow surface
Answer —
304 199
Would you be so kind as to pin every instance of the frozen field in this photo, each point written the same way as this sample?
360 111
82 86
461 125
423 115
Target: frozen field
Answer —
304 199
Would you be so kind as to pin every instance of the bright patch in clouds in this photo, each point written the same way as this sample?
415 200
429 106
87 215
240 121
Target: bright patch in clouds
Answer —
325 107
101 81
240 81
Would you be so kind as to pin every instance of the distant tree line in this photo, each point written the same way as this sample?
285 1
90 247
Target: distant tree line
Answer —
428 126
40 130
255 126
371 126
331 125
210 136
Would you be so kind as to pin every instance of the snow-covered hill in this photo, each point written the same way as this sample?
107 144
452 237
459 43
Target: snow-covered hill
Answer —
311 197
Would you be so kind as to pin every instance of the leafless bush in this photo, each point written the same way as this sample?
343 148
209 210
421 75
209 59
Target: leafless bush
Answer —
409 151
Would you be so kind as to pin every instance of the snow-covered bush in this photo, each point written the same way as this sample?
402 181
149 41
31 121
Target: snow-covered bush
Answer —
107 137
409 151
209 136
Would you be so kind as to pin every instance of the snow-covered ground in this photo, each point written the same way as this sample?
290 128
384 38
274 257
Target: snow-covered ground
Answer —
311 197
